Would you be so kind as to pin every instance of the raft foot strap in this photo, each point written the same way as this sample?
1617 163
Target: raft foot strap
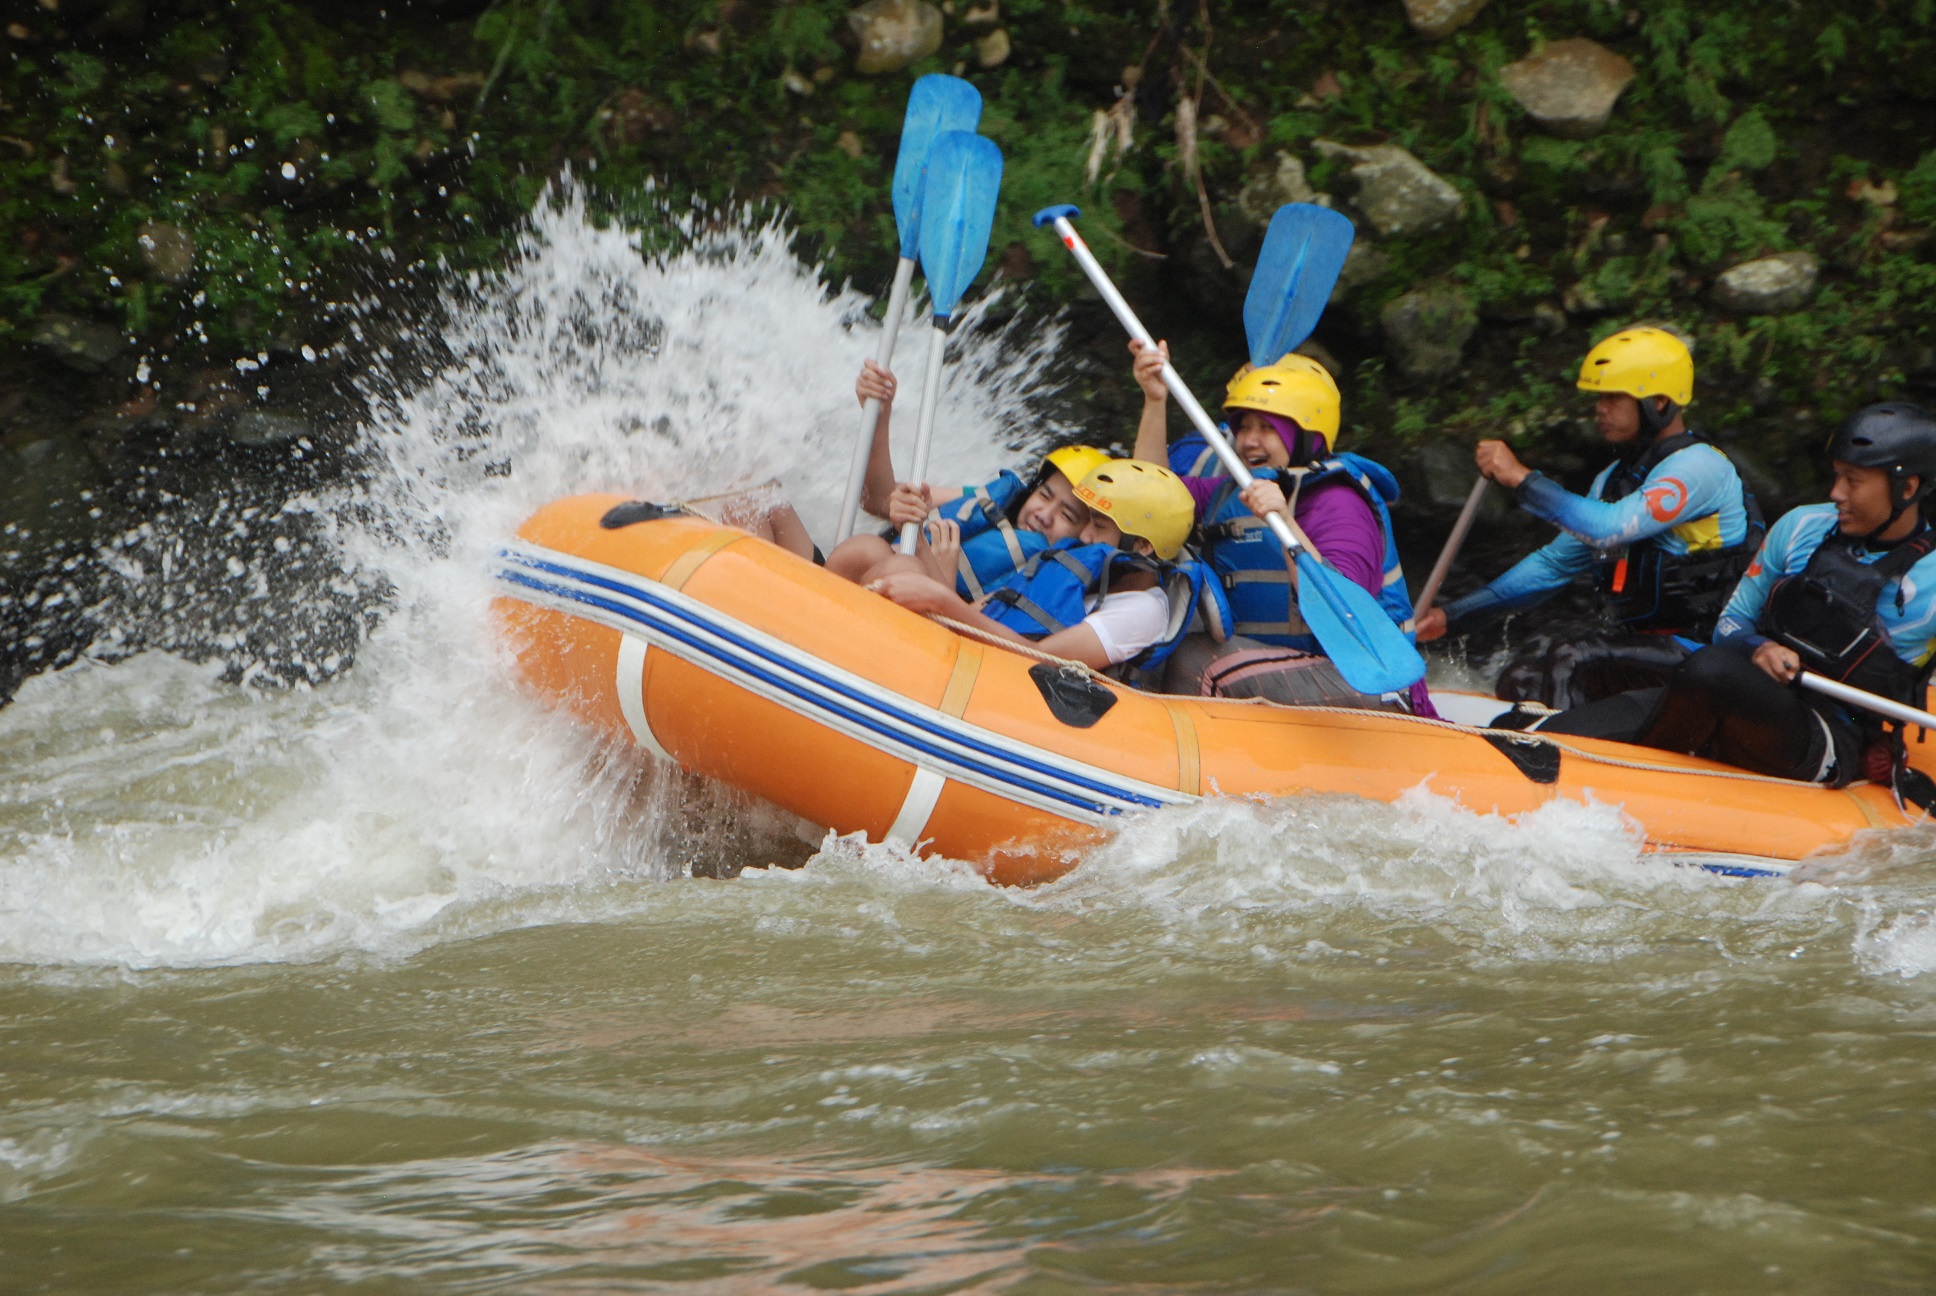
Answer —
917 807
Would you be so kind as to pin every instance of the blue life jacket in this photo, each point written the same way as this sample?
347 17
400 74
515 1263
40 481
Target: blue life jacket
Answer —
1193 457
1250 562
1067 581
992 546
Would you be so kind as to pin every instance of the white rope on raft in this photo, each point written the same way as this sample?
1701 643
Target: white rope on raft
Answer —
1517 736
1023 649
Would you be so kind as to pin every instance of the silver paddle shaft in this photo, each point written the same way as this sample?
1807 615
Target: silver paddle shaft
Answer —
924 426
1856 697
871 411
1280 525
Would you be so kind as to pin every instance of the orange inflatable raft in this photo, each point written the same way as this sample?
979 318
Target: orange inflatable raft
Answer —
741 662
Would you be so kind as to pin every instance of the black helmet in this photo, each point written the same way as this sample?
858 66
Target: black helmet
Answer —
1892 435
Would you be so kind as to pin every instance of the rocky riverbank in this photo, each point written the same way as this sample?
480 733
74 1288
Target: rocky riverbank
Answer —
212 215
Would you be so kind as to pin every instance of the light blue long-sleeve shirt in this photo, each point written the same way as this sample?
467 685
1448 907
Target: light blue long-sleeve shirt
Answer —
1790 544
1691 501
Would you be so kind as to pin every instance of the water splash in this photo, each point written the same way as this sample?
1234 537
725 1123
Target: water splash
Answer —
151 813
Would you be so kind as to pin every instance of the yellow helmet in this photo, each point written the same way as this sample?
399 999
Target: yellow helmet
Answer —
1289 360
1308 396
1075 462
1641 362
1145 500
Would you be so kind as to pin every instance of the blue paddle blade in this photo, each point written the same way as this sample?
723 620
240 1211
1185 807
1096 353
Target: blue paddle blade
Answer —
964 176
936 104
1362 642
1303 252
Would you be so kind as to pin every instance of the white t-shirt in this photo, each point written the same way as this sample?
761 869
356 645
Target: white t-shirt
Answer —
1129 621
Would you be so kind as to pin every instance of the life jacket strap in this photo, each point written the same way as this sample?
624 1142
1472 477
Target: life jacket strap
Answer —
1258 629
1029 608
1013 541
966 570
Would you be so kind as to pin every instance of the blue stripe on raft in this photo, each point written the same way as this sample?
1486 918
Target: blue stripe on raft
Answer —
909 718
1736 870
941 755
850 713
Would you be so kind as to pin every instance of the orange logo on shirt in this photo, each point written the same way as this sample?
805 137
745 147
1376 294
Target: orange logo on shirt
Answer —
1666 498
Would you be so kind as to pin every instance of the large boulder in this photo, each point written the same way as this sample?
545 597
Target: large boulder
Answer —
894 33
84 345
993 49
1568 86
1286 183
1397 193
1771 285
168 250
262 429
1426 330
1445 473
1438 19
1365 262
40 480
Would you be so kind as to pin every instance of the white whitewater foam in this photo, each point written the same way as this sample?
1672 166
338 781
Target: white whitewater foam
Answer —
1902 945
152 815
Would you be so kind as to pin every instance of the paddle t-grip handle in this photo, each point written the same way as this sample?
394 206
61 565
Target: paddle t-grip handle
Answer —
1099 279
1453 543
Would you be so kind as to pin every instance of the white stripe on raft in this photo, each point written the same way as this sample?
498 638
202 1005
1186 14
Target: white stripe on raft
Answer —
631 694
916 808
1015 771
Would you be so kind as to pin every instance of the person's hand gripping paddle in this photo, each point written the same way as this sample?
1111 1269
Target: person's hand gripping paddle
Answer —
937 104
964 176
1303 253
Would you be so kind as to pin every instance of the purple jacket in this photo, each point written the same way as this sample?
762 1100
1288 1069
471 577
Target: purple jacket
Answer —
1345 531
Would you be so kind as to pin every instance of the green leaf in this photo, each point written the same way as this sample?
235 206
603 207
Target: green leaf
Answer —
1666 177
1831 46
1546 151
1918 189
1749 145
85 73
286 123
390 105
389 166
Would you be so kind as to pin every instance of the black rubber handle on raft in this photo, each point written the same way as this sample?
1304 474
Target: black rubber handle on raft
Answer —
1073 698
1538 761
625 515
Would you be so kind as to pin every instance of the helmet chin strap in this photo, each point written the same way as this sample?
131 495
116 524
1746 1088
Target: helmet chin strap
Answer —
1903 503
1655 418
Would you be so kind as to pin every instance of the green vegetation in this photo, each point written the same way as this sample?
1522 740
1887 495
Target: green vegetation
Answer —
304 148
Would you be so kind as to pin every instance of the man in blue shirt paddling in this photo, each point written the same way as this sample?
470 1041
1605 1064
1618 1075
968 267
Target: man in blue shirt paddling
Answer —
1666 531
